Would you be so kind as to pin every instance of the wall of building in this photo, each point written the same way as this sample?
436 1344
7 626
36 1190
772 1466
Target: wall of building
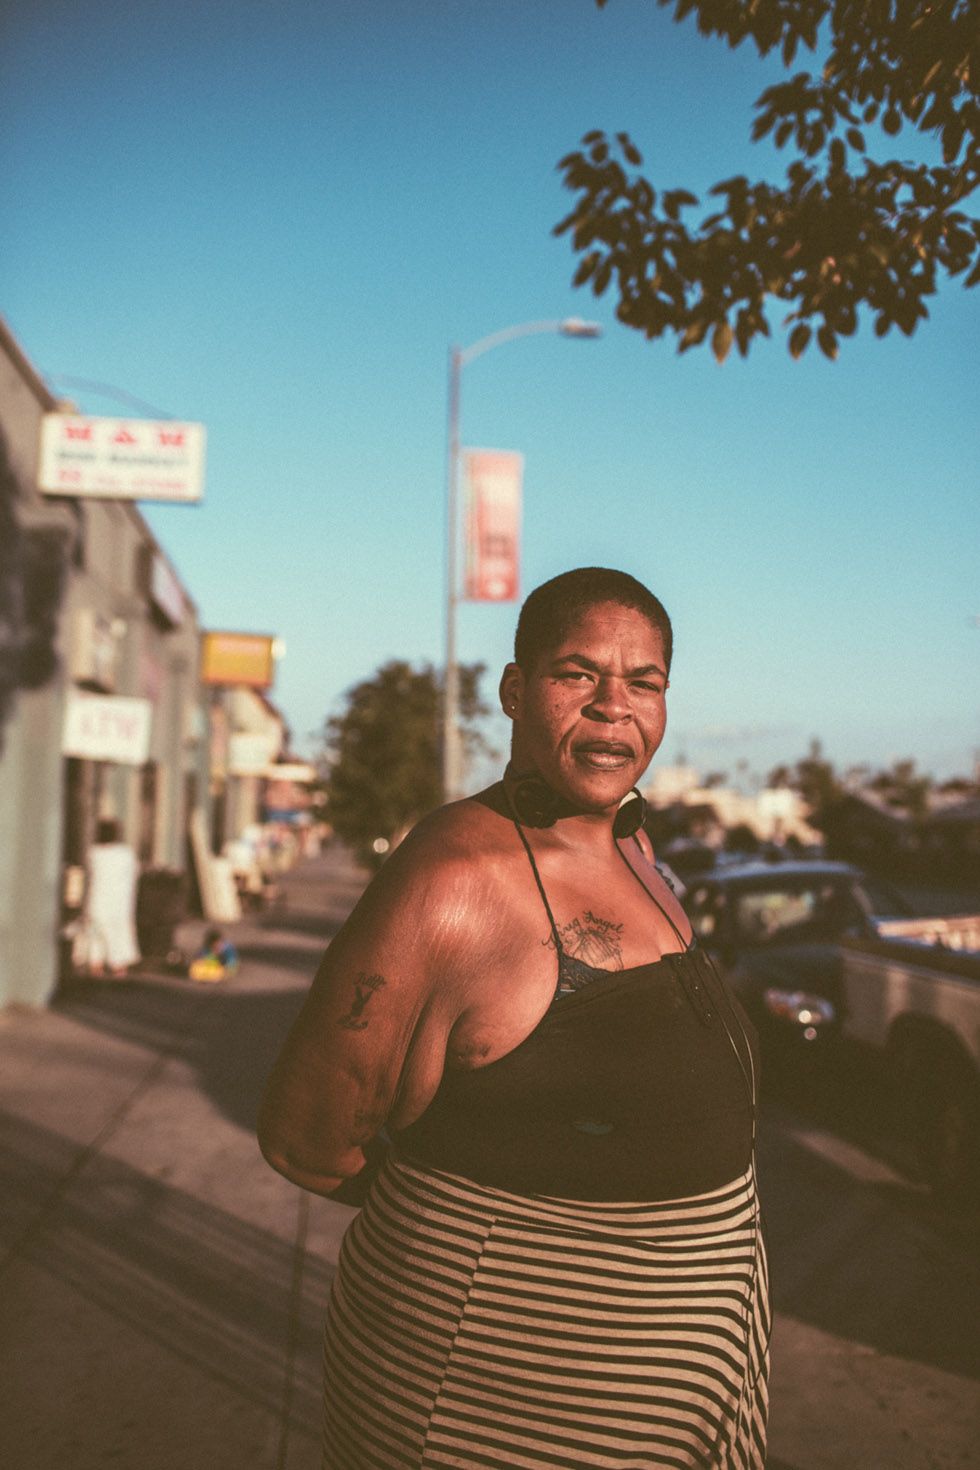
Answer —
124 626
30 757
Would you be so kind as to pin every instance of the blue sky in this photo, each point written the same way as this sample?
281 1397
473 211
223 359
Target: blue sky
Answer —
275 218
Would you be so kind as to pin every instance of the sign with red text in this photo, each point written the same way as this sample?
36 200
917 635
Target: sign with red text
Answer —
107 727
493 524
121 459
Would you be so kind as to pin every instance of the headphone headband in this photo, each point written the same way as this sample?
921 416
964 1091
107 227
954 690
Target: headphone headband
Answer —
534 804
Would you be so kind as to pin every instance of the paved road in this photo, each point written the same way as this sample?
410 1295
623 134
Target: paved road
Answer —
162 1291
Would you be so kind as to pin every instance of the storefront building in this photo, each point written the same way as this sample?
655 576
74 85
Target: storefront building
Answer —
101 707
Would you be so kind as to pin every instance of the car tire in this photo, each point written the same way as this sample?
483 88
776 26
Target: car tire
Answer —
940 1111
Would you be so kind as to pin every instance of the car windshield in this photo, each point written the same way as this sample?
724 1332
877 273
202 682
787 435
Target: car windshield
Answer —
815 910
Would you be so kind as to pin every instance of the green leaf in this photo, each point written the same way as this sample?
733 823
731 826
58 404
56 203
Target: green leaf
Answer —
856 138
953 137
799 340
828 342
892 121
586 266
630 151
721 341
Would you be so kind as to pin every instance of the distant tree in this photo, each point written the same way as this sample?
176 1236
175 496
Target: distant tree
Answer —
814 778
959 786
383 753
33 577
779 776
845 231
904 788
742 838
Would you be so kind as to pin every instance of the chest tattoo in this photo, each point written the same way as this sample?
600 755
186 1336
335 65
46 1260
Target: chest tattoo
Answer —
365 987
597 942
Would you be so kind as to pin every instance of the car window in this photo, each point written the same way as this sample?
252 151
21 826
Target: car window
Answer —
704 906
802 911
883 900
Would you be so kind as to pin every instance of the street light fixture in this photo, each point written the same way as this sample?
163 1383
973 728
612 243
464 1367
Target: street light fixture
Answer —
571 326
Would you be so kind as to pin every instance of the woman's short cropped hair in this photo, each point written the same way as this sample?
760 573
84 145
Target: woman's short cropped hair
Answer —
551 610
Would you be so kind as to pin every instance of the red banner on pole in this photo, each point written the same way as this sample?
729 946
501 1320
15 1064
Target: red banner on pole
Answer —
493 524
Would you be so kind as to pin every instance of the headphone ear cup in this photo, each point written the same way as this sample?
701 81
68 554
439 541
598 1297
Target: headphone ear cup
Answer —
534 802
631 816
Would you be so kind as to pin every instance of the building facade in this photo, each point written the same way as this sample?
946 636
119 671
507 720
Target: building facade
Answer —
100 698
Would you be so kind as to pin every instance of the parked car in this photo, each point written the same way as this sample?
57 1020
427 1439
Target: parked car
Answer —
777 929
819 952
910 1000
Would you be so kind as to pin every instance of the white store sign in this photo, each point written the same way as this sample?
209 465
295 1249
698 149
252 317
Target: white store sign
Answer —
250 752
121 459
107 727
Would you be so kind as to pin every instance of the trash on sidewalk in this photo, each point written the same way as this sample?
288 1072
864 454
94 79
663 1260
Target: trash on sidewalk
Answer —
216 960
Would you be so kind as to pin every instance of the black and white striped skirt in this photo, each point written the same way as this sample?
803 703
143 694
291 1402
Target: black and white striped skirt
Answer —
471 1327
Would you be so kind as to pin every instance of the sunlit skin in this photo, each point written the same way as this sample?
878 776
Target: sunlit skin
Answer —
447 961
590 715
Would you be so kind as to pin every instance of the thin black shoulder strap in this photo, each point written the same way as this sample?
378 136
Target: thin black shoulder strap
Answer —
679 936
537 879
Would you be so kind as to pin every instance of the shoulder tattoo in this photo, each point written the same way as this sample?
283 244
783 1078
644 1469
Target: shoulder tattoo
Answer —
365 987
595 941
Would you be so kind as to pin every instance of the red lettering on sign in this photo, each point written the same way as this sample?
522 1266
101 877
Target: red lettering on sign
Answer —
78 431
171 436
124 437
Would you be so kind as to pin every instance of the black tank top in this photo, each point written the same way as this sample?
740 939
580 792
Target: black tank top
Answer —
636 1085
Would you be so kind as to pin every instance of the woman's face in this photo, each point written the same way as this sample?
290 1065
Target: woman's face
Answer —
591 713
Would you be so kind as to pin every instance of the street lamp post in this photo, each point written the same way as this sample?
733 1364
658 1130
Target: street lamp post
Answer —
458 358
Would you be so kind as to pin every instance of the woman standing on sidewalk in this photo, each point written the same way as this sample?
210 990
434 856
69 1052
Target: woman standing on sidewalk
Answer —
110 903
560 1263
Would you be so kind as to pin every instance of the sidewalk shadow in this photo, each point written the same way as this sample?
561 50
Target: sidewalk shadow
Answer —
869 1262
877 1263
231 1039
210 1289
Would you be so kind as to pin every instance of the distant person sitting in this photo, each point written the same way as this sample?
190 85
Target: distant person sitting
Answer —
110 904
216 960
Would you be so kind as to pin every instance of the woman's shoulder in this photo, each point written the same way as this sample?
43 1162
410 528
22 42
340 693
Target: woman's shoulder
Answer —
469 843
441 894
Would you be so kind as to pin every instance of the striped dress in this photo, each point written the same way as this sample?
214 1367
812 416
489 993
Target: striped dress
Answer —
473 1327
496 1301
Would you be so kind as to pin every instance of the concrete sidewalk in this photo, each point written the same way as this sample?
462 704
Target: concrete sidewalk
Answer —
161 1289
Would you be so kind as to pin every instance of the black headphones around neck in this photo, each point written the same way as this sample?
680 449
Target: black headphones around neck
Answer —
534 804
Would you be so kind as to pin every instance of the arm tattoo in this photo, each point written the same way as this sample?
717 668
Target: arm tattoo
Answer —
595 941
364 988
